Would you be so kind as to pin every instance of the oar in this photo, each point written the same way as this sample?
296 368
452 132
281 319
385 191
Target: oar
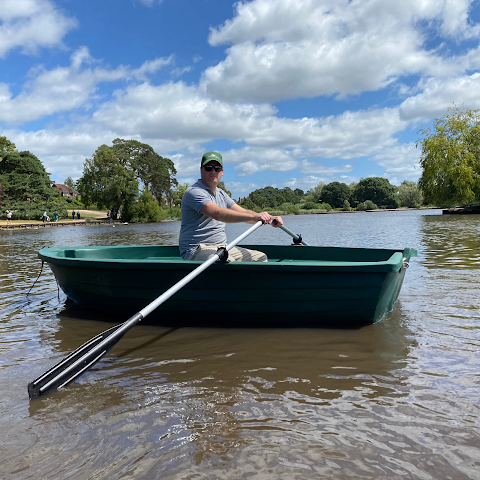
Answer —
297 239
71 367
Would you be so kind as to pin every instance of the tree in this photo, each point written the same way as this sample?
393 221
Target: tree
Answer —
336 194
156 173
145 209
27 187
378 190
316 193
69 182
106 181
450 158
6 147
410 195
25 179
177 193
224 188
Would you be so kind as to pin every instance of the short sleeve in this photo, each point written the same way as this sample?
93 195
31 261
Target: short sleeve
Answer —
195 198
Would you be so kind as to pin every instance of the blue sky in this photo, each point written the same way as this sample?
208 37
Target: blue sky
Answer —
291 92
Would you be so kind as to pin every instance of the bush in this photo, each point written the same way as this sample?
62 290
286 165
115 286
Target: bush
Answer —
145 209
369 205
309 206
346 206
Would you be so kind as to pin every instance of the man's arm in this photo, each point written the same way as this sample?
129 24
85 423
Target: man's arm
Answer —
237 214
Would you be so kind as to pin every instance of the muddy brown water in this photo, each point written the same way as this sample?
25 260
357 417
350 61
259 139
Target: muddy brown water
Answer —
398 399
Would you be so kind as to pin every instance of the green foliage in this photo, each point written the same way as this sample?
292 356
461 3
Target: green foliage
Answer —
271 197
24 178
378 190
106 181
450 158
410 195
6 147
309 206
145 209
336 194
69 182
224 188
111 178
346 206
178 192
315 194
155 172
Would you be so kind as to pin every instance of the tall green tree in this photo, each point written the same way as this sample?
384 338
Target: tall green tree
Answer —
6 147
178 192
156 173
450 158
379 190
106 181
316 192
69 182
336 194
410 195
25 179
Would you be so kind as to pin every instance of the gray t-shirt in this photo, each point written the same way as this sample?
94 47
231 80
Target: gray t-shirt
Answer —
197 228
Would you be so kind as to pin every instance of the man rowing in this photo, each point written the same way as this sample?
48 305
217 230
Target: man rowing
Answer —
205 211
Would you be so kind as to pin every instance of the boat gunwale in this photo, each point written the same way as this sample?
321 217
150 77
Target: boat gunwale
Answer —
393 263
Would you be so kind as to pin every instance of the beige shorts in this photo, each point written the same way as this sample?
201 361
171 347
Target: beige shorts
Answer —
236 254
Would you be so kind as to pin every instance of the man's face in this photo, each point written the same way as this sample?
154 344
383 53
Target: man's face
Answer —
211 178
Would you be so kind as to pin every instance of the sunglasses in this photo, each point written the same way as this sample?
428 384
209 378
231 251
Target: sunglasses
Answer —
209 168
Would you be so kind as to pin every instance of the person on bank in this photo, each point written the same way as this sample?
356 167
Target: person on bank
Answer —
9 217
205 211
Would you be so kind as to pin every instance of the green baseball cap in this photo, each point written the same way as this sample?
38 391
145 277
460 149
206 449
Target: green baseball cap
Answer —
210 157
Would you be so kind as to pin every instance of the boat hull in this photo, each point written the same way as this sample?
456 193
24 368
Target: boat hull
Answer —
299 286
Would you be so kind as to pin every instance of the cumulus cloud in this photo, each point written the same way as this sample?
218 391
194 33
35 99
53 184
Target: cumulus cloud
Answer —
305 48
65 88
401 162
438 94
319 168
32 24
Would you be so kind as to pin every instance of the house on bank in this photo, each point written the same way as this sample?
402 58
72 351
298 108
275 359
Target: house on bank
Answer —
66 191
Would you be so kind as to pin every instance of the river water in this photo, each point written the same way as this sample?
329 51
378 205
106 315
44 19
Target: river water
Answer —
398 399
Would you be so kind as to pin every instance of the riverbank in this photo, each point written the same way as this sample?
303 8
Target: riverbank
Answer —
90 217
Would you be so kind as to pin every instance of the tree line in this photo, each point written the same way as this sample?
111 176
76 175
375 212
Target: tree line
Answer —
367 194
131 177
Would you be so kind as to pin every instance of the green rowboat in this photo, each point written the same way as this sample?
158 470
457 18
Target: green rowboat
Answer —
298 286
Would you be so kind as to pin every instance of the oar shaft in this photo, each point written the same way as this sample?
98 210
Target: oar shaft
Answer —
88 354
171 291
293 235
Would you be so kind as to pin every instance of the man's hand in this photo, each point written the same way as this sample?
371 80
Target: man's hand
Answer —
267 218
278 223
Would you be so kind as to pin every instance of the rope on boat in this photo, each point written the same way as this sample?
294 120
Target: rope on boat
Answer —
41 269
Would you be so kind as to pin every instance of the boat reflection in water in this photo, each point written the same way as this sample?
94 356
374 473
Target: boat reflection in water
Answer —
206 392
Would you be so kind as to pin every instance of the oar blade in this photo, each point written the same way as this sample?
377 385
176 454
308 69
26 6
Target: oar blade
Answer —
74 365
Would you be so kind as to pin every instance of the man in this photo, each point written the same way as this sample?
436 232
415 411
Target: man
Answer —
206 209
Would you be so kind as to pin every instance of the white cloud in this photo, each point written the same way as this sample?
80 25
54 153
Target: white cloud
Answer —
30 25
65 88
177 72
401 162
315 167
291 48
438 95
